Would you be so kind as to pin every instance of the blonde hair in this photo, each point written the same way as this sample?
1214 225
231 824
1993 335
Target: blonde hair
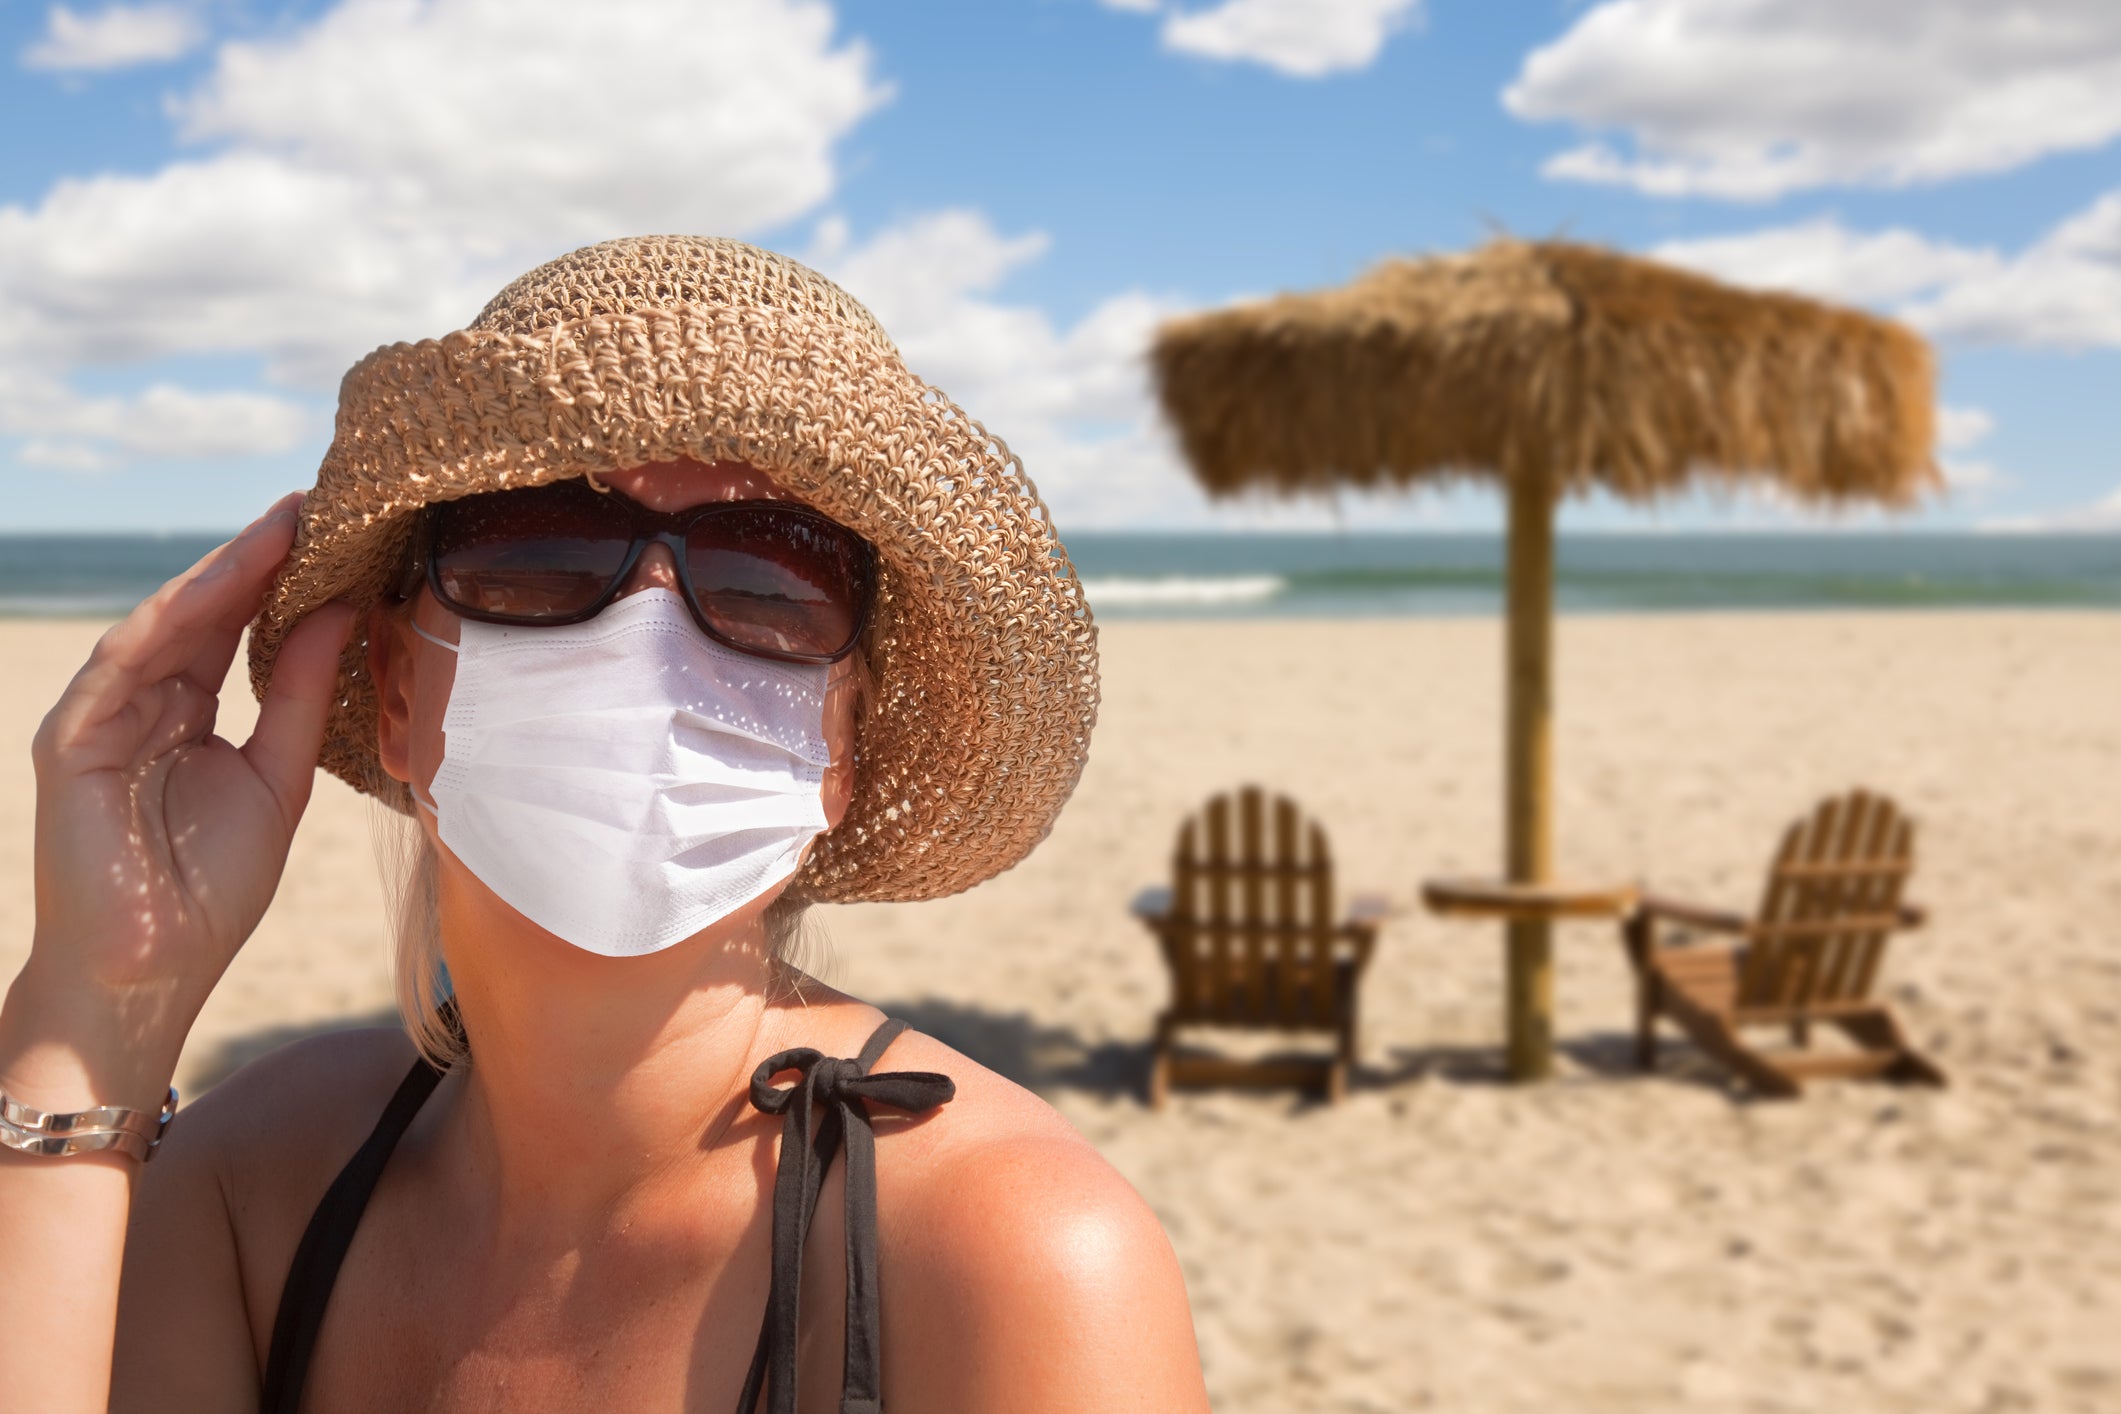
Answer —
406 858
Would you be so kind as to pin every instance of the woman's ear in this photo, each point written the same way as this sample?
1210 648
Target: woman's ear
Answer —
413 678
390 669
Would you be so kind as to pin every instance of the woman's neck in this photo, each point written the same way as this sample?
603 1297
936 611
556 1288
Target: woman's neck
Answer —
590 1075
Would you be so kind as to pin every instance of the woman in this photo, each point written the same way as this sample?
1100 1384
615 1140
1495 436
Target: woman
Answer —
664 601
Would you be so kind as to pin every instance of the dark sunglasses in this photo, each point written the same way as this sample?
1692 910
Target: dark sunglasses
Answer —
765 577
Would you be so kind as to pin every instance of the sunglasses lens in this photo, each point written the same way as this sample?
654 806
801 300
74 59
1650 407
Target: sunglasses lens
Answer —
544 553
779 581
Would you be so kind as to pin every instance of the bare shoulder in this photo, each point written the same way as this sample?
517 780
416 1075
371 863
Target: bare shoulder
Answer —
298 1104
217 1216
1006 1232
996 1133
271 1137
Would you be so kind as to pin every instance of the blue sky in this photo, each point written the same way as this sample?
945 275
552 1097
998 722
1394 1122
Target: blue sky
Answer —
209 207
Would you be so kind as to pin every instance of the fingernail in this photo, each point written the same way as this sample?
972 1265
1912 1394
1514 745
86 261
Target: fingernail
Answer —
282 514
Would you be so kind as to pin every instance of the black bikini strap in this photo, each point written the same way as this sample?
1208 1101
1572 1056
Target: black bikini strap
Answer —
843 1087
324 1243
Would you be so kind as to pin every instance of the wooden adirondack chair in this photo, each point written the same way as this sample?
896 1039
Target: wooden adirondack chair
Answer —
1250 934
1810 954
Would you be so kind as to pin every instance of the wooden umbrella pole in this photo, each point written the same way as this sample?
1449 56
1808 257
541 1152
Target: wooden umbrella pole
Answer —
1528 768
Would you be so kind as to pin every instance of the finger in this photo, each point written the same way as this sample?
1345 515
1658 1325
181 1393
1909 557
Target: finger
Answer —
192 623
283 749
218 595
268 539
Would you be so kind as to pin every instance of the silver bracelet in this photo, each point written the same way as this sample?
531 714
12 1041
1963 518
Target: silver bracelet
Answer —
57 1135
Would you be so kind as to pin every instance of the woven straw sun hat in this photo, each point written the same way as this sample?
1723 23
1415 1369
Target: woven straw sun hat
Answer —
665 347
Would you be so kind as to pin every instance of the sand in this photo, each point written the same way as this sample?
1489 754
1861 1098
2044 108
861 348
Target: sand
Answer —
1604 1242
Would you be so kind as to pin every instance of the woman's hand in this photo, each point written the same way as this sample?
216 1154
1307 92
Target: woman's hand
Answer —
159 844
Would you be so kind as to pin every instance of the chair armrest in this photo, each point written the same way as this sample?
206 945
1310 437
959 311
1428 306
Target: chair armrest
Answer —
1153 902
1913 915
1691 915
1369 908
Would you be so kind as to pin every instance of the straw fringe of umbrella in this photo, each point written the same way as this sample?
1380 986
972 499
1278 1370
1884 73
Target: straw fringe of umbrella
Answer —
1566 363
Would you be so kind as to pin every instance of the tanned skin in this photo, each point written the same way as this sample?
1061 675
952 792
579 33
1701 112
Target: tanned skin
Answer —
579 1218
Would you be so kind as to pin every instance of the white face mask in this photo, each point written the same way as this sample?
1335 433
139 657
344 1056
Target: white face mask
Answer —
627 781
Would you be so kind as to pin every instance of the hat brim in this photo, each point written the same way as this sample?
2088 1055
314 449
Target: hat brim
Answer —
983 650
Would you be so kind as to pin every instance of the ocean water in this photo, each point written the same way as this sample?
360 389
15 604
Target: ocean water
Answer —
52 576
1339 576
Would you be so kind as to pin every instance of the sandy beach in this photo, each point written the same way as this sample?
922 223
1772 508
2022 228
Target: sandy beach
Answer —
1604 1242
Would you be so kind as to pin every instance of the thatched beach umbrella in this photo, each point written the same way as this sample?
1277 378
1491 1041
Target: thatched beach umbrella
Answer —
1558 368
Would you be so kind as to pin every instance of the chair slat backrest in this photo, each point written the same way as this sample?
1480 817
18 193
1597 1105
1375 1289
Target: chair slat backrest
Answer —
1251 933
1832 899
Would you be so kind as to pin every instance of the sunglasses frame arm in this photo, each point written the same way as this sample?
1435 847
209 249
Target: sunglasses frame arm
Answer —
418 547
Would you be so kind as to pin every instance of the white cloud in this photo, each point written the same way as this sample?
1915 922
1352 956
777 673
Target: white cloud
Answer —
115 37
1823 258
1959 428
1751 99
162 421
576 122
1963 475
1074 403
2062 291
246 252
1305 39
176 422
360 180
2098 517
76 457
925 280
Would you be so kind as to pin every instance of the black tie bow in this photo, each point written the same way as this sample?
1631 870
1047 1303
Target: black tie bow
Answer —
843 1089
